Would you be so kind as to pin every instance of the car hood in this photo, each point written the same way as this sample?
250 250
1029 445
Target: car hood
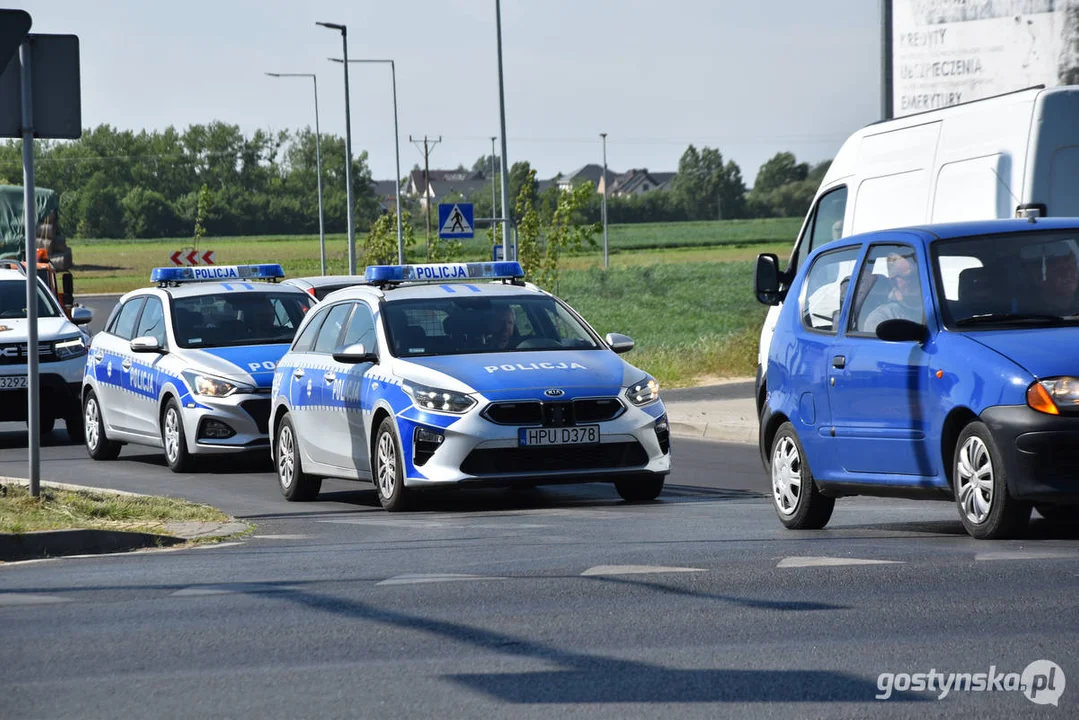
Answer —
48 329
527 374
253 364
1043 352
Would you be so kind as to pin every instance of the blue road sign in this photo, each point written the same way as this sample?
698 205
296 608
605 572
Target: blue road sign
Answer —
455 221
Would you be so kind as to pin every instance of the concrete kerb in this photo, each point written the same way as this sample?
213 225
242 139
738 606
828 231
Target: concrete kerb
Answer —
58 543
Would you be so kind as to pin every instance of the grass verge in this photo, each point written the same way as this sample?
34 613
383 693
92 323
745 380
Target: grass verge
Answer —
67 509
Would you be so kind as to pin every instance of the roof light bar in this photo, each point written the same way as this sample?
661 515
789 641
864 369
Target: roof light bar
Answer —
442 272
210 273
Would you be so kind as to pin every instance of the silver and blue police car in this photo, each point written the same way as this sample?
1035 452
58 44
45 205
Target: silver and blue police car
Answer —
461 373
187 365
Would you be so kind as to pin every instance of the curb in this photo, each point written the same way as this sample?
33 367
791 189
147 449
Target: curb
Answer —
720 432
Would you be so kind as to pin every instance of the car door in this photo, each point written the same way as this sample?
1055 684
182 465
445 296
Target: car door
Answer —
112 363
297 377
347 437
878 390
327 417
144 377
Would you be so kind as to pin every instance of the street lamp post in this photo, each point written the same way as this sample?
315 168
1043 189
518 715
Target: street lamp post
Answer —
397 151
318 165
606 262
502 120
348 152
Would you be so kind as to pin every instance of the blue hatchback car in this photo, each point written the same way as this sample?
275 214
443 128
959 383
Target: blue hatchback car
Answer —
939 362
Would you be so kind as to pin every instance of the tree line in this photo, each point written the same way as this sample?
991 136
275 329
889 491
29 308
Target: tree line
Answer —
119 183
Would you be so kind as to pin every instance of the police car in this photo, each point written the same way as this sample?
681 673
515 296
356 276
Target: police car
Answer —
937 362
187 365
426 376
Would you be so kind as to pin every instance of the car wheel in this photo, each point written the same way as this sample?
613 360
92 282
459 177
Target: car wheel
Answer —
296 485
174 440
640 488
795 495
388 471
980 484
76 430
1058 513
98 444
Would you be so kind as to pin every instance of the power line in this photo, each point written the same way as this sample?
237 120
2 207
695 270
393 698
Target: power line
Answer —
428 145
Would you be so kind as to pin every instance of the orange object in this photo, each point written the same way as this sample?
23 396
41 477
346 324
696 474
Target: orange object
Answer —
1038 398
940 374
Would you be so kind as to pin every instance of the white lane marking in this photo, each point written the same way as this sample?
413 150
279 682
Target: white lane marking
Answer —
8 599
1024 555
281 537
419 578
802 561
211 546
636 570
227 589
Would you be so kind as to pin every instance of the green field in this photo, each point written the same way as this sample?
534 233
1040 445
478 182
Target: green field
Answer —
683 291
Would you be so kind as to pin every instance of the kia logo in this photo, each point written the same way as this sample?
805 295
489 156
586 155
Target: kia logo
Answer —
554 392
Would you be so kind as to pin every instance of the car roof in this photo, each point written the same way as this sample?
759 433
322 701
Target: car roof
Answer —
317 281
9 274
196 289
412 291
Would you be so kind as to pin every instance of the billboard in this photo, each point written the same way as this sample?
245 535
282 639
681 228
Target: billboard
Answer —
946 52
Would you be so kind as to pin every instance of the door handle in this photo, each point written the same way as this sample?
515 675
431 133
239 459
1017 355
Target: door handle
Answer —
839 362
330 377
99 356
126 364
297 373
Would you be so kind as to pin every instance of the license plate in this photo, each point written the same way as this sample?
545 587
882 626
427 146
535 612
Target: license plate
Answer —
12 382
579 435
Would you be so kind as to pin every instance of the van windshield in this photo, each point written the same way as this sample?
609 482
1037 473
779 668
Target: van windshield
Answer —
1011 280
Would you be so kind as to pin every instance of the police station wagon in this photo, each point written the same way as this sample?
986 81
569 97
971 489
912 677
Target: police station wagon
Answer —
940 361
450 374
187 365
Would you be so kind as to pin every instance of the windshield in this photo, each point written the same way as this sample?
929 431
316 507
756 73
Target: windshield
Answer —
458 325
237 318
1009 280
13 300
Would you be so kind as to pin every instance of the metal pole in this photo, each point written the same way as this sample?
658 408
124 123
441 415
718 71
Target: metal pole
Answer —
494 197
512 255
33 398
348 165
427 192
886 106
318 169
397 178
606 261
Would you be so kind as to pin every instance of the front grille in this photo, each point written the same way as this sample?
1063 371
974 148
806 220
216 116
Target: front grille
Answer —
15 353
554 414
504 461
259 410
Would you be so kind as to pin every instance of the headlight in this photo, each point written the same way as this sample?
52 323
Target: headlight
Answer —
211 386
643 391
70 347
429 398
1052 395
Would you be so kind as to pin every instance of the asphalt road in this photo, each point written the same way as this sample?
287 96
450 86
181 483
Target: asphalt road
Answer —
102 305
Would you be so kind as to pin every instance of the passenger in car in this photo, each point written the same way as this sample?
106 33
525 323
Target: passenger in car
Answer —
904 297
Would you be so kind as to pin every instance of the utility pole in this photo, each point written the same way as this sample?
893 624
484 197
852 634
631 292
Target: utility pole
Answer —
606 260
506 199
428 145
494 197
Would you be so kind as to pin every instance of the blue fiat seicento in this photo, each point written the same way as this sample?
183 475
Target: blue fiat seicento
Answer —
937 361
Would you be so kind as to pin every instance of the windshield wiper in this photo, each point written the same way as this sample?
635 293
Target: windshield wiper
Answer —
1008 317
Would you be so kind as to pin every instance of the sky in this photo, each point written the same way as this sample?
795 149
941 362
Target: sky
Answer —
751 78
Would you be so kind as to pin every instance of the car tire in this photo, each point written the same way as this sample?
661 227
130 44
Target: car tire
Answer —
387 469
980 485
173 439
295 484
46 422
97 442
795 495
640 488
76 428
1058 513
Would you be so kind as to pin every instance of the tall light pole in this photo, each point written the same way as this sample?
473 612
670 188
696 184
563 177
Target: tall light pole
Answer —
606 262
397 150
494 197
348 151
502 117
318 165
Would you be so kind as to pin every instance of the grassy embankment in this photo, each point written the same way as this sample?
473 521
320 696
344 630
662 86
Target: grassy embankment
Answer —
683 291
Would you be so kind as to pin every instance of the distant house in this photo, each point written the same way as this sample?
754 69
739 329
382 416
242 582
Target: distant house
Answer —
638 181
443 183
386 193
591 173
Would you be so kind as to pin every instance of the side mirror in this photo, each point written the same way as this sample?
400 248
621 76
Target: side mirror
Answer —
81 315
146 344
619 343
900 330
766 279
67 286
355 354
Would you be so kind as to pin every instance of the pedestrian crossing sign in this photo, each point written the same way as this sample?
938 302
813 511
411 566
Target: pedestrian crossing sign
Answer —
455 221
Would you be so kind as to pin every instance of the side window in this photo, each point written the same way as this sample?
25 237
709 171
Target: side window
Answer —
825 288
306 340
827 223
889 287
331 328
361 329
124 327
152 322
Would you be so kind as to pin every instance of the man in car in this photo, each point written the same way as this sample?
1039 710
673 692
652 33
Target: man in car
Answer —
904 297
1055 275
503 322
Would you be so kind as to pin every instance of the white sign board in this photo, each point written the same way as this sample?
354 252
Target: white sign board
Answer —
946 52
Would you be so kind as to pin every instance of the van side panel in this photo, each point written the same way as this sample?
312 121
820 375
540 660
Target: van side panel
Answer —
974 189
895 188
1053 176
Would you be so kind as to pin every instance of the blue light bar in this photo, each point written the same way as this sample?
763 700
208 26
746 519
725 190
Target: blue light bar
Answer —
442 272
210 273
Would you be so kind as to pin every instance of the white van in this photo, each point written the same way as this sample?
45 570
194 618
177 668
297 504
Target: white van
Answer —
1006 156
